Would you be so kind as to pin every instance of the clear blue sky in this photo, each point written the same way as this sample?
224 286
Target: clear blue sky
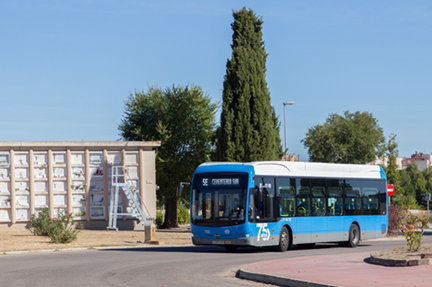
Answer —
66 67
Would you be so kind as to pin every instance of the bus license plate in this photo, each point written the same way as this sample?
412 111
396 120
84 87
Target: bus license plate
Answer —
218 242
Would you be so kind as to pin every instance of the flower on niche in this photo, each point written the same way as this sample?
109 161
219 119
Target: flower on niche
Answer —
412 226
411 230
403 226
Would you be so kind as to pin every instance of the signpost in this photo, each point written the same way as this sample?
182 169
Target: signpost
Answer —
390 191
427 198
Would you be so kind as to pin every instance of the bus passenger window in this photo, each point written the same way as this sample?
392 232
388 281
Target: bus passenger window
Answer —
303 197
302 207
335 202
318 201
370 201
285 188
286 206
352 201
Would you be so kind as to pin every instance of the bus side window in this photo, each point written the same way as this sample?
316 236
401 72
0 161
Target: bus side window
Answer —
285 188
318 201
370 201
303 197
335 201
352 201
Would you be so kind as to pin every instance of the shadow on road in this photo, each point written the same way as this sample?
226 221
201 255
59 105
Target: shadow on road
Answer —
217 249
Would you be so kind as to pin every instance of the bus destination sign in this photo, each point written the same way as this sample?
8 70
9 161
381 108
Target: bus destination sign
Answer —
221 181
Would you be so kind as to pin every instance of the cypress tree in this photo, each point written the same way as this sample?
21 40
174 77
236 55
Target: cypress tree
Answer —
249 127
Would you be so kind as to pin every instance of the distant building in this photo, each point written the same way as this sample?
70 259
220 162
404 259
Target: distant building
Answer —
290 157
380 161
422 160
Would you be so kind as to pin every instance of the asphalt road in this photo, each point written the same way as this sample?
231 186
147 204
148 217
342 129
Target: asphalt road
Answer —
153 266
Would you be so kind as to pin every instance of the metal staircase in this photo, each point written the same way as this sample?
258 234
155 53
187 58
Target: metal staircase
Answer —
120 182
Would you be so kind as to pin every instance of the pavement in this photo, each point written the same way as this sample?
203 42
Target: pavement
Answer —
349 270
342 270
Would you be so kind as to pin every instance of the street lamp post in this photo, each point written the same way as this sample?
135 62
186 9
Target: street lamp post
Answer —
285 104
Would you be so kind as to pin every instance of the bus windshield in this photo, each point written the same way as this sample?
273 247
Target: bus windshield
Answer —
219 200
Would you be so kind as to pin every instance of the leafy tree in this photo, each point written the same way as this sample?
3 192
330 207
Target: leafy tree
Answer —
392 172
428 176
420 188
183 119
351 138
418 183
413 173
249 127
412 182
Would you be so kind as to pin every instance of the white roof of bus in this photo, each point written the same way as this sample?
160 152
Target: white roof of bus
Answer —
312 169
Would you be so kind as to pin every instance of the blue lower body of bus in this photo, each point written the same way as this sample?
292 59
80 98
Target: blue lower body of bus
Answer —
302 230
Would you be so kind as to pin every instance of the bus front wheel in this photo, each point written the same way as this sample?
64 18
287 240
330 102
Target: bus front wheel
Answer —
353 237
283 240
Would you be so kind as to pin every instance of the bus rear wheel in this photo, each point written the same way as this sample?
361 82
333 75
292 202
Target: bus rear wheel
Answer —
284 240
353 237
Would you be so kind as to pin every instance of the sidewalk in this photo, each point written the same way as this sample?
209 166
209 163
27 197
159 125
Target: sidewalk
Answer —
348 270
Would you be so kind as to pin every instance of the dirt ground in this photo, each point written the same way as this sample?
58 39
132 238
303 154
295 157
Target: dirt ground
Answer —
24 240
403 253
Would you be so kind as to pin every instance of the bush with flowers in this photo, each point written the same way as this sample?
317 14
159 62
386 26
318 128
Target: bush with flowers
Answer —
61 229
412 227
39 222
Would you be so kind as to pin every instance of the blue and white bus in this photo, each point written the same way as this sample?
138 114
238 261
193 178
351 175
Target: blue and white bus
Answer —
284 203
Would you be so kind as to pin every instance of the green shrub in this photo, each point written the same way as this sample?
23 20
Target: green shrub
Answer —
183 216
159 218
39 222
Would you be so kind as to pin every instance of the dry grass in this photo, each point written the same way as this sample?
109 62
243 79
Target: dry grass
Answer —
24 240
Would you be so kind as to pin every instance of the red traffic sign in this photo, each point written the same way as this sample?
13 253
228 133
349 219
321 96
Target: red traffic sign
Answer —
390 189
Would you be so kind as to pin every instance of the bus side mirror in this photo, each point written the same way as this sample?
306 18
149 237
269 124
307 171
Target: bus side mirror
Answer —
180 188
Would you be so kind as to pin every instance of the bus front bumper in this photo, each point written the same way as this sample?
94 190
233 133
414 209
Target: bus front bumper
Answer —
224 242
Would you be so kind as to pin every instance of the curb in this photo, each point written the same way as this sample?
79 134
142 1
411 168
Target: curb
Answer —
92 248
277 280
173 231
401 263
